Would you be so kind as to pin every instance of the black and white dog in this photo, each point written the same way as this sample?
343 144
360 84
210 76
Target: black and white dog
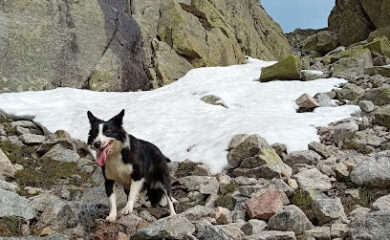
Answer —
136 164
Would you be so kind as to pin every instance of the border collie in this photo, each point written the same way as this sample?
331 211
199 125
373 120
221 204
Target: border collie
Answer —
136 164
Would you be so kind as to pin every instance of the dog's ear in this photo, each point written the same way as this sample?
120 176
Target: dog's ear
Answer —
118 119
92 118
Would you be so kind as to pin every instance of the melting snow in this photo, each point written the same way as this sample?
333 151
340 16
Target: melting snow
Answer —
179 123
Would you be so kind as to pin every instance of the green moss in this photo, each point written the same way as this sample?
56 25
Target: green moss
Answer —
225 201
10 226
39 172
230 188
301 199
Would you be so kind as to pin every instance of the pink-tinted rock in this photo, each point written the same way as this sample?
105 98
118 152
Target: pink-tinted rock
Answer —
265 206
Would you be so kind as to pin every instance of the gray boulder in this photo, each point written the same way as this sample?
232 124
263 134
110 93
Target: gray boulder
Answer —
203 184
313 179
171 228
382 204
246 149
371 226
302 157
287 69
291 218
207 231
379 96
371 171
322 42
11 204
29 138
272 235
6 167
350 92
61 154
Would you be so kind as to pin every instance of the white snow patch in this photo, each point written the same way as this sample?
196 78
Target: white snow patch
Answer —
179 123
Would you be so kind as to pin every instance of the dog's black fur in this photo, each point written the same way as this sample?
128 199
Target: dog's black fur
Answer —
146 159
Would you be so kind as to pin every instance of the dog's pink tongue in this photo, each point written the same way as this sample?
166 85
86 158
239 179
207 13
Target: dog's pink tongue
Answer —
102 156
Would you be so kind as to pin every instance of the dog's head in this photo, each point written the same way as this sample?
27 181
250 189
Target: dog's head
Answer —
104 134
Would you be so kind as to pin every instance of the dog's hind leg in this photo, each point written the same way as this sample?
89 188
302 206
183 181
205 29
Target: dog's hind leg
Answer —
110 190
170 203
135 189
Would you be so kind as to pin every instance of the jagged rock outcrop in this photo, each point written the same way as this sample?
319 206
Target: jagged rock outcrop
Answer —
354 20
124 45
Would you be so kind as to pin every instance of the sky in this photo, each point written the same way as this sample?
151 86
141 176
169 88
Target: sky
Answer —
292 14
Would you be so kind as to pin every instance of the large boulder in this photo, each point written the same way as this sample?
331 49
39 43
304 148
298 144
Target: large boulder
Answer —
125 45
349 19
322 42
291 218
380 45
287 69
371 226
372 171
382 116
378 11
379 96
380 32
11 204
350 64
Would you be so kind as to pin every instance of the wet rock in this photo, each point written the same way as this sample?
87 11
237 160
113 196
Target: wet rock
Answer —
291 218
171 227
371 226
61 154
265 206
247 148
11 204
254 226
313 179
287 69
6 167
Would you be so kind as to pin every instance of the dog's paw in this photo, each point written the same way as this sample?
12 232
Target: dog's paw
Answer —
126 211
111 218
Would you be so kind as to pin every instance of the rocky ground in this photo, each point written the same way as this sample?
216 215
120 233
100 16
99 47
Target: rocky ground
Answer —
50 186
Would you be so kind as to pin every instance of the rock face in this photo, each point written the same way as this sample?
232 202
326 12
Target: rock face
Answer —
128 45
354 20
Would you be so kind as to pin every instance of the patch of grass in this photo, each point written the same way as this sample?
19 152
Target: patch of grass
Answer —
225 201
39 172
10 226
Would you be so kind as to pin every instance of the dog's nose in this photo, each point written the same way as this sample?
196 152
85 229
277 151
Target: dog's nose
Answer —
97 144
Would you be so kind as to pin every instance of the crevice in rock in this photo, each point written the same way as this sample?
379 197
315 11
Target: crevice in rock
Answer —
200 15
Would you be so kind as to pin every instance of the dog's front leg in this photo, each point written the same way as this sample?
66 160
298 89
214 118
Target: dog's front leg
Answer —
135 189
110 190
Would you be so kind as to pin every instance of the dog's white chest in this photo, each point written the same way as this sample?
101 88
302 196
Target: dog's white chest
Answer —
116 170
